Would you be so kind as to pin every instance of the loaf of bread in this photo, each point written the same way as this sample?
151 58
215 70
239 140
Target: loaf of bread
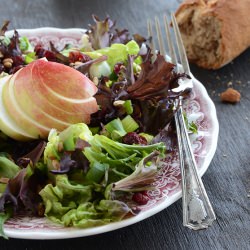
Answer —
214 32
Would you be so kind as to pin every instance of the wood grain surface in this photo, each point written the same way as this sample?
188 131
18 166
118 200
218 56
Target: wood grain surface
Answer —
228 177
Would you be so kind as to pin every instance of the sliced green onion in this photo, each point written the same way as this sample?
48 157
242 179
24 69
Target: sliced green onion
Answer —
116 129
8 168
148 137
128 107
109 83
129 124
30 57
24 44
96 172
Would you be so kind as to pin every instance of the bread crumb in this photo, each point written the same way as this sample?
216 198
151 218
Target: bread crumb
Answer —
230 95
229 84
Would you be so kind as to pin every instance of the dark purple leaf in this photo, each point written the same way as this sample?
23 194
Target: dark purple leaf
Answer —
8 199
14 49
154 80
81 144
66 164
59 56
33 156
81 160
74 160
168 136
22 192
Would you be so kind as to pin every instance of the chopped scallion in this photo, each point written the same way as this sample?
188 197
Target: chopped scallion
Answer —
129 124
128 107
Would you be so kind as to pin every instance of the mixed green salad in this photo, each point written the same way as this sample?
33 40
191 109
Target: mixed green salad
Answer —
81 176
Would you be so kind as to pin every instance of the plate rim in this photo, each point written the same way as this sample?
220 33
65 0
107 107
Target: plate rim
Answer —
76 232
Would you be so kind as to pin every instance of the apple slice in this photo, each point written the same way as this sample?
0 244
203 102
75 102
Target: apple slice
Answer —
32 110
45 95
64 80
70 102
7 124
23 120
29 97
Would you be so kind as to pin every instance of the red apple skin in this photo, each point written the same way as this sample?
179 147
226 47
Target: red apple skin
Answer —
34 112
29 96
86 105
65 80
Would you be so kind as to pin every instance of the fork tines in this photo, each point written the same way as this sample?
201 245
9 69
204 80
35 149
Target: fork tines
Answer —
178 39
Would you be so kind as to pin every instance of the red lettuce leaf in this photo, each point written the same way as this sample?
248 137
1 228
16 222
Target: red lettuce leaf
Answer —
152 94
22 192
33 156
103 33
73 160
155 80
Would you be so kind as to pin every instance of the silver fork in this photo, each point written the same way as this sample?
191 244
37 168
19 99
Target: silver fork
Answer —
197 209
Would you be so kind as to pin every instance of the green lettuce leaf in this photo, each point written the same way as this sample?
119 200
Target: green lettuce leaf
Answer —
4 216
143 176
71 204
116 52
8 169
102 150
83 197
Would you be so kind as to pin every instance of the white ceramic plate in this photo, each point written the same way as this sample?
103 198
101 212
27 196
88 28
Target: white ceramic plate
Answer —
199 107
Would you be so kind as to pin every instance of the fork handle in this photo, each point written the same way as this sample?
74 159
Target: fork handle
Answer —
197 209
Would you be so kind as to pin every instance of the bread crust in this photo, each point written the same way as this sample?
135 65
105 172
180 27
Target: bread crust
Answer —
234 19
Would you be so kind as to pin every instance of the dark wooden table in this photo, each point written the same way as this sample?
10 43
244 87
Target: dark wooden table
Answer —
228 177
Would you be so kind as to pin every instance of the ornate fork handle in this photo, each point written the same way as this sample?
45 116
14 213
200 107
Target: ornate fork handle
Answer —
197 210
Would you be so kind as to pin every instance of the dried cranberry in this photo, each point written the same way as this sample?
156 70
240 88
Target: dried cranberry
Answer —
117 68
39 50
17 60
140 198
77 56
134 138
50 56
